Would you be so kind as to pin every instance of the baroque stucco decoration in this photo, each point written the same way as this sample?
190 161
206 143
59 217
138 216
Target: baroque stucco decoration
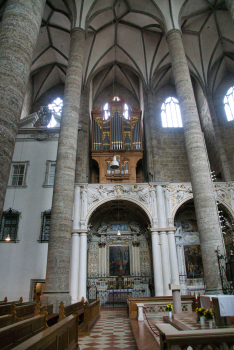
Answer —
137 192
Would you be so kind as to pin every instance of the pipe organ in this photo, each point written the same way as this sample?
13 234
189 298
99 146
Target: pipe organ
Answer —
116 131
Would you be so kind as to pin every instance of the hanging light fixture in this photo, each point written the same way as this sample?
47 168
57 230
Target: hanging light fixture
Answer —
114 164
8 238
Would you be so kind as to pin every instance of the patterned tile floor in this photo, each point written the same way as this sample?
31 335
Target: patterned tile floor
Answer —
112 331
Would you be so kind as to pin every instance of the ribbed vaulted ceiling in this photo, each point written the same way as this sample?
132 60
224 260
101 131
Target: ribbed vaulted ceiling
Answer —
126 43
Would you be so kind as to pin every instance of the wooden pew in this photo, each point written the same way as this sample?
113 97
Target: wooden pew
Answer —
7 320
6 309
63 335
17 333
91 314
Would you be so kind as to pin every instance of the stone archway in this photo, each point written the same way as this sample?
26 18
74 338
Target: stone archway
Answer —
119 264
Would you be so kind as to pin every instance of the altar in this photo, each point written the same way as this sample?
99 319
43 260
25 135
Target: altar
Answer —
223 306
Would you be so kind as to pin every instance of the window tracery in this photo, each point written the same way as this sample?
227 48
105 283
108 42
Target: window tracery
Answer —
56 108
170 113
229 104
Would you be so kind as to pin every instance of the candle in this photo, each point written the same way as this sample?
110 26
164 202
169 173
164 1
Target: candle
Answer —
211 302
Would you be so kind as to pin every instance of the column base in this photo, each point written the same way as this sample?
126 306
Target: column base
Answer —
213 291
55 298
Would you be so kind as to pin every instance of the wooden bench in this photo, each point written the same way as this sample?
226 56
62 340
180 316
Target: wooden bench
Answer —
6 309
90 313
17 333
63 335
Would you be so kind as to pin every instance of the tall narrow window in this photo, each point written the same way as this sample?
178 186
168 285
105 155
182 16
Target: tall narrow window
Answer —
45 230
50 173
18 174
170 113
9 225
229 104
56 107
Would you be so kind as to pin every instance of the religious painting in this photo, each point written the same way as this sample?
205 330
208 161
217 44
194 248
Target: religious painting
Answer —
119 261
193 261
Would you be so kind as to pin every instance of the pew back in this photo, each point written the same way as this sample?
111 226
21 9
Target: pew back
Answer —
17 333
63 335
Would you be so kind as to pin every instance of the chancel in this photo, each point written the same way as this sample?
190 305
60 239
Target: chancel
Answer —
117 173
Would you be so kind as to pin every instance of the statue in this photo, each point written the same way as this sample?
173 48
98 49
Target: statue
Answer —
44 116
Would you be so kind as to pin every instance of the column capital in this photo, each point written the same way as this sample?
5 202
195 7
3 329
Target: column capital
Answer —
78 29
173 31
80 231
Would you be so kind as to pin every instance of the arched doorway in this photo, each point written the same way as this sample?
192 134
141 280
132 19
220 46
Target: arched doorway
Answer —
119 254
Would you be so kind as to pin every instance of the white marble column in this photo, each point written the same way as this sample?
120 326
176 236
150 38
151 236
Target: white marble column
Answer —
83 266
75 241
164 241
173 258
157 264
75 245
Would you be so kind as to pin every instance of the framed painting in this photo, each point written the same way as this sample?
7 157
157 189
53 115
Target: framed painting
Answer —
193 261
119 260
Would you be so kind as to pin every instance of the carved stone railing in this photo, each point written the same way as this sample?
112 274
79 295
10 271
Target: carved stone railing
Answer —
173 339
157 305
63 335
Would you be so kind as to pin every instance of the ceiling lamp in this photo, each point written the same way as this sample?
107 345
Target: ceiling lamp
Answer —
114 164
8 238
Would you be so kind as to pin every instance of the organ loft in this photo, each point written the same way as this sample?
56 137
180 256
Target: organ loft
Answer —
117 132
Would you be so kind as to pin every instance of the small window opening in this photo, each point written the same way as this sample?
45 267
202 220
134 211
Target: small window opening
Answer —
229 104
170 113
56 107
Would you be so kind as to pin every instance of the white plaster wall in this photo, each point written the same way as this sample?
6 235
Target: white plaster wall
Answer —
26 260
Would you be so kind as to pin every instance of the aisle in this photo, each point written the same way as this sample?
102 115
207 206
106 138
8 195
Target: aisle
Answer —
112 331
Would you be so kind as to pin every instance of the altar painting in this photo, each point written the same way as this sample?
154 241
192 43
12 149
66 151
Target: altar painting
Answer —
119 261
193 261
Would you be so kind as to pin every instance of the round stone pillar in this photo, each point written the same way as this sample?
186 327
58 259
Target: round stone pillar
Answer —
204 198
58 262
83 266
221 151
20 26
157 264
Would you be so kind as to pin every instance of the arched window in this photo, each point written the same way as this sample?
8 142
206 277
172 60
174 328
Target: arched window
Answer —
56 108
229 104
170 113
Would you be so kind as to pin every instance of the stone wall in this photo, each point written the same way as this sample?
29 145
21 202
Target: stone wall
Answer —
168 147
48 97
119 90
226 127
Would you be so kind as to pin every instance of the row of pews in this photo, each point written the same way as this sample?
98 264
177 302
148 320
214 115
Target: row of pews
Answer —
32 326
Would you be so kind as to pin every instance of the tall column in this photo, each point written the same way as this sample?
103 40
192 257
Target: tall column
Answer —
164 241
83 154
58 262
83 266
75 242
75 247
173 258
18 37
204 199
157 264
230 6
221 151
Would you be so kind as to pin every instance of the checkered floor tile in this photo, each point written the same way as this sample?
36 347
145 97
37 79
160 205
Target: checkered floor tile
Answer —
112 331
